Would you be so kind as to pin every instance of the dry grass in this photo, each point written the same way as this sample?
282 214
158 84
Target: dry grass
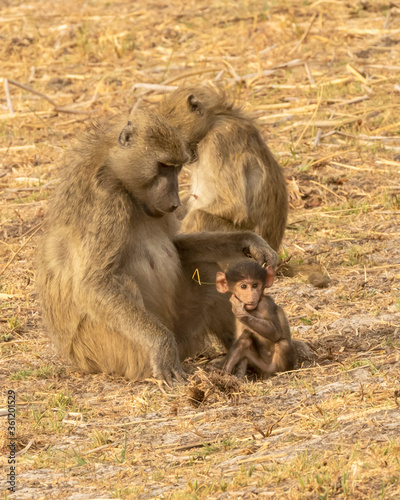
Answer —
322 78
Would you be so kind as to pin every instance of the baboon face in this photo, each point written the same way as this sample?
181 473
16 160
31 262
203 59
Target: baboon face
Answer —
248 289
148 159
249 292
161 195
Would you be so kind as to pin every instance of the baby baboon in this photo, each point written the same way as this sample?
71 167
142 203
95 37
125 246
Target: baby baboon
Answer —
108 263
236 183
263 336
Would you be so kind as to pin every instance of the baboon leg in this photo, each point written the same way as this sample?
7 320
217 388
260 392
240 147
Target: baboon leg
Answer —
237 353
108 352
257 362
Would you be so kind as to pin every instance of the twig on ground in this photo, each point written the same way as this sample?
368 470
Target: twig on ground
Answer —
20 248
304 35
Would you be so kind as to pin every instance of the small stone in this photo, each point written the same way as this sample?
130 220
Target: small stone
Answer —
319 280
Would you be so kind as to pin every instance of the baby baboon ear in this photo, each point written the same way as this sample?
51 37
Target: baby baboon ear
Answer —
222 282
195 105
125 138
270 277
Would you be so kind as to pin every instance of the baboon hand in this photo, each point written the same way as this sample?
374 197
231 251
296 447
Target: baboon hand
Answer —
170 374
257 248
238 308
166 366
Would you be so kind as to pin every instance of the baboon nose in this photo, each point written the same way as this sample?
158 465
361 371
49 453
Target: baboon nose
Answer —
175 203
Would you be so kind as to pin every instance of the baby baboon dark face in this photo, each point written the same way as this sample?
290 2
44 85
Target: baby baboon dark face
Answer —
148 160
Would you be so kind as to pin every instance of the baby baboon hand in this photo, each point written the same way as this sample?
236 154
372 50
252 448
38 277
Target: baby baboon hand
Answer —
238 308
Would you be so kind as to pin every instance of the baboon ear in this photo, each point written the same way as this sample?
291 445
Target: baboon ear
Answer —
222 283
270 277
125 138
195 105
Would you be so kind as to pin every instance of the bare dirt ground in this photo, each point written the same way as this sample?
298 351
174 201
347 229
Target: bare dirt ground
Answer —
323 79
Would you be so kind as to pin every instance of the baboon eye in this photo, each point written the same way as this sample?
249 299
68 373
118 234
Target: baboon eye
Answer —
243 287
165 165
255 285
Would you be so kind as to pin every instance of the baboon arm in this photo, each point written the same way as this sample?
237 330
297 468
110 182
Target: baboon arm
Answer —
264 327
268 320
123 310
201 219
221 246
121 304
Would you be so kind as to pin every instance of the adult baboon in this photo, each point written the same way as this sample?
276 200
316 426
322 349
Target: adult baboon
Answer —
236 183
109 265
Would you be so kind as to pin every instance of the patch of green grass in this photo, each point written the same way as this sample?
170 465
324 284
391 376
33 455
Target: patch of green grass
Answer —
304 167
131 492
51 418
360 363
121 457
310 320
13 323
37 416
63 401
313 473
80 461
351 207
22 374
101 438
44 372
354 256
35 196
184 495
283 255
391 201
220 445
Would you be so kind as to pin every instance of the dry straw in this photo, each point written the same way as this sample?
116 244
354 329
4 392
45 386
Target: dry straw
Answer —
322 81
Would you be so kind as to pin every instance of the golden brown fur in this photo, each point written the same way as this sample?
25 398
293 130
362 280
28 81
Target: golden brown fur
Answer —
236 183
263 338
110 262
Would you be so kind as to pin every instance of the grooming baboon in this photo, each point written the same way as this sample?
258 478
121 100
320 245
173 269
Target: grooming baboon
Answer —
236 183
263 336
108 263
